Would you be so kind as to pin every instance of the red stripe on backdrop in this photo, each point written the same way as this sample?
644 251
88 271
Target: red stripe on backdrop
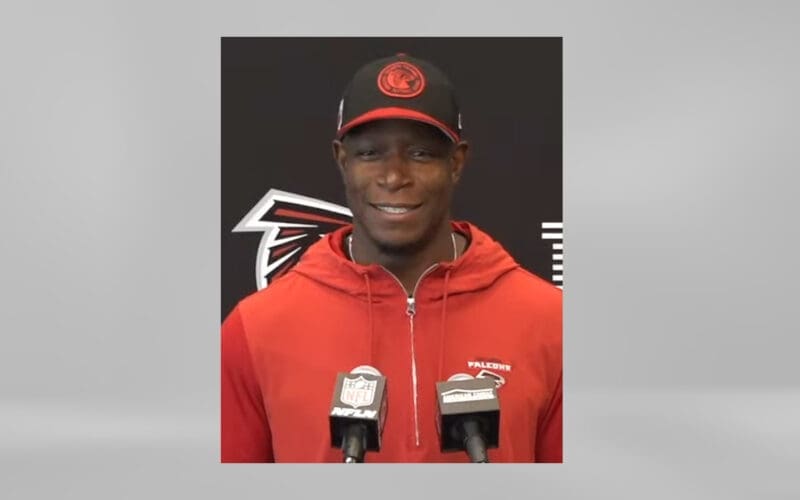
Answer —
282 250
303 215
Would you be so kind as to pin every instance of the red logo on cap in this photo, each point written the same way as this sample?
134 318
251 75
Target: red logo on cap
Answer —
401 79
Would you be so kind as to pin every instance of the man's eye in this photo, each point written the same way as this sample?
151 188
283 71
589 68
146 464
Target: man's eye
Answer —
366 154
421 154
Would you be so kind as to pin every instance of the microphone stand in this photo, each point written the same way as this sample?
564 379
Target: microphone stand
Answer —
354 443
474 443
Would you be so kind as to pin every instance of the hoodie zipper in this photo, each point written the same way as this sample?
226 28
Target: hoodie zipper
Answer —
411 311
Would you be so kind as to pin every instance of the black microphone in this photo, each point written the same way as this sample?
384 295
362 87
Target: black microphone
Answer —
358 412
469 416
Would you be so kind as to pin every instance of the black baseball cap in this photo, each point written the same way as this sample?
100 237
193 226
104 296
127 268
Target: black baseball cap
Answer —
400 87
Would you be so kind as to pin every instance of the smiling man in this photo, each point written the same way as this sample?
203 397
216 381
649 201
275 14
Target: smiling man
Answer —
404 289
399 177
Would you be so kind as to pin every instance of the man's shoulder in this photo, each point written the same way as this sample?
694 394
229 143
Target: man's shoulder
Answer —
529 282
281 292
536 304
532 293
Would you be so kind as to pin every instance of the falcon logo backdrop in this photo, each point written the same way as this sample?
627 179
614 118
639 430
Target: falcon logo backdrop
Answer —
554 232
291 223
276 134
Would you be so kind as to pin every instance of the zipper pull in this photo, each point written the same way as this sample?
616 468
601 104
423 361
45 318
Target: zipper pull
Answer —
411 309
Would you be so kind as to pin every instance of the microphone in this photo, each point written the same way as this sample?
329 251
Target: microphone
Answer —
358 412
469 416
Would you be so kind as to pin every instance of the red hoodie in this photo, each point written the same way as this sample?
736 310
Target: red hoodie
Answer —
283 346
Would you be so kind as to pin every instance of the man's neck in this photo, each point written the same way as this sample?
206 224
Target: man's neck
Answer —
408 268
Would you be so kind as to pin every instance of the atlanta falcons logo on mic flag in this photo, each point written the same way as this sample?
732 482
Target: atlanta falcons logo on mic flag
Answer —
291 223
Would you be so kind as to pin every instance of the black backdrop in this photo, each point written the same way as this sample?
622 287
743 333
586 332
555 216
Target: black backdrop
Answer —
280 100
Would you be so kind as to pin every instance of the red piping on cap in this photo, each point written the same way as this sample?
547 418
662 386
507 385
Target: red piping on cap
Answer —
397 113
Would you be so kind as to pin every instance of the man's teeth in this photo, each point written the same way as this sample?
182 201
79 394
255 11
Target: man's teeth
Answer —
393 210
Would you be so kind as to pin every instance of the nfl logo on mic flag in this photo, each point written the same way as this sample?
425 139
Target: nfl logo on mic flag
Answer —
358 391
360 398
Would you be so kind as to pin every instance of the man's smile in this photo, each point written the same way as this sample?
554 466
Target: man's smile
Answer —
395 208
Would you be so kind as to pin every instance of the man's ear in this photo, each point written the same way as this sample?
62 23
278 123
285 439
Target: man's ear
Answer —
339 155
459 159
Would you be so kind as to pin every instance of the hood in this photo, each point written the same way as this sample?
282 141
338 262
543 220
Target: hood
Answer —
483 263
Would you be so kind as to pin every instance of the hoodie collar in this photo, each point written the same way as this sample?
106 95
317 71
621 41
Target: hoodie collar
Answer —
483 263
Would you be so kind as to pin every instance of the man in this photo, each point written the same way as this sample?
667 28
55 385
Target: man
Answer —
404 289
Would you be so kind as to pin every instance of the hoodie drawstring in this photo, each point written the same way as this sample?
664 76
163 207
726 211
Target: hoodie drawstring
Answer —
444 318
371 322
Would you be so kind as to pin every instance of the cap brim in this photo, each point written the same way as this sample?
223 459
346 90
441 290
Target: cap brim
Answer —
397 114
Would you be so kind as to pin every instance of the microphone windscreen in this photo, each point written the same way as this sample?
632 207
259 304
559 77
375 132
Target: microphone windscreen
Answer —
467 398
359 397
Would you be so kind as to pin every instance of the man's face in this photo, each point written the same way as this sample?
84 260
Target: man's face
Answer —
399 177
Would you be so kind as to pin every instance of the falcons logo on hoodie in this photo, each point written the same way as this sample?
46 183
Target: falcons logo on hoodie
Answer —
291 223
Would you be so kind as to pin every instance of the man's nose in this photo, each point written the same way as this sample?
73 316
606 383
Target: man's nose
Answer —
395 173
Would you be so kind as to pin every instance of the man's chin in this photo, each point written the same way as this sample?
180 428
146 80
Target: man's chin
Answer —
399 247
398 244
400 241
